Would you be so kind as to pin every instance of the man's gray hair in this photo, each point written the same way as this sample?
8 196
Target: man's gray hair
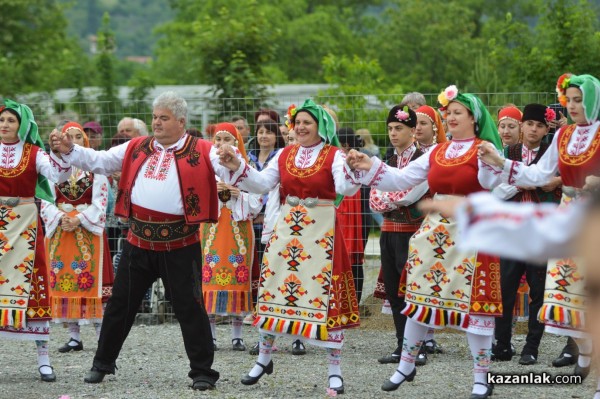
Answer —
414 98
140 126
173 102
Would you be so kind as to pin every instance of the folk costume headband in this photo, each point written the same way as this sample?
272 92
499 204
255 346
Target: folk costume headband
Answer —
436 119
77 126
590 90
28 133
231 129
513 113
485 125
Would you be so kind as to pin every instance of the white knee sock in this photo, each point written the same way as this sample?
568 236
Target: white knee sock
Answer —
213 326
43 357
236 327
597 395
98 328
585 352
429 335
265 345
481 350
334 358
413 339
74 333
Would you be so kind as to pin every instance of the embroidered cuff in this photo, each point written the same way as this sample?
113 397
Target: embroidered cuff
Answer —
242 174
60 164
375 174
352 175
510 171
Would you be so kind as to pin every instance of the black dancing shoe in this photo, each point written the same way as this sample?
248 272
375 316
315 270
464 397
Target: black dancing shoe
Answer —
254 351
563 361
392 386
238 344
339 390
298 348
502 354
268 369
393 358
421 359
432 347
487 394
68 348
582 372
527 360
47 377
200 384
95 376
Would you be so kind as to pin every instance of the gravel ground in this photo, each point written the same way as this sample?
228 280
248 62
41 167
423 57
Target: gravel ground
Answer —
153 365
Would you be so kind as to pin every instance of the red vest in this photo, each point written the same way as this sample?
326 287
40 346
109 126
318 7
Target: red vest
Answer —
197 183
83 194
20 181
575 168
456 176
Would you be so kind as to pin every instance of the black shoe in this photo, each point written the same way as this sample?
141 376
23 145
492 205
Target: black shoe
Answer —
94 376
487 394
583 372
339 390
47 377
298 348
68 348
501 354
238 344
421 359
393 358
527 360
563 361
432 347
215 347
202 385
254 350
248 380
391 386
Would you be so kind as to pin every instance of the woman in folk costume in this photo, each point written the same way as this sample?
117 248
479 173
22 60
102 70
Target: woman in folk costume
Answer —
430 129
509 125
445 286
81 271
574 154
228 249
24 287
306 288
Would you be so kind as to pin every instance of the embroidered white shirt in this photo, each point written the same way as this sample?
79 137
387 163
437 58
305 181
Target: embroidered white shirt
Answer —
50 166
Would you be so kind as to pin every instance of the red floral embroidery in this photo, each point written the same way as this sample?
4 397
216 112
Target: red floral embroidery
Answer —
7 159
159 164
581 141
528 155
305 157
455 150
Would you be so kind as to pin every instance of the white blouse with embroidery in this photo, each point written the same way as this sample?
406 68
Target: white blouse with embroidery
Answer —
386 178
156 186
249 179
540 174
380 201
93 218
50 166
506 191
244 207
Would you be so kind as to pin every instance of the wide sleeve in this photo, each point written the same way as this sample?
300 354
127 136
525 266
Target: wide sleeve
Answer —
387 178
51 216
221 171
345 182
251 180
246 206
528 232
101 162
93 218
52 167
505 191
272 210
489 176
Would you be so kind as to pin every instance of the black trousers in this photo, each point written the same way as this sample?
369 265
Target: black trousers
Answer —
180 270
510 277
394 253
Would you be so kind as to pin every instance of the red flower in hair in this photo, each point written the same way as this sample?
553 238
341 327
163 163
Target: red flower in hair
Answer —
550 114
561 88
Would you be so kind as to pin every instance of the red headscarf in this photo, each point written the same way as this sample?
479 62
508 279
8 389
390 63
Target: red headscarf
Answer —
511 113
436 119
230 128
77 126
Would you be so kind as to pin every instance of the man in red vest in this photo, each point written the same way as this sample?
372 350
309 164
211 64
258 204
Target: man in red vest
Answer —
167 188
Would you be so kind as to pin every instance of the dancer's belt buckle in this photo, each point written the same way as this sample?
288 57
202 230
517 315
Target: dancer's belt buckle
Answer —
11 202
307 202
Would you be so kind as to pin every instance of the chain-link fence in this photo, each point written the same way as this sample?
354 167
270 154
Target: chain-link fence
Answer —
356 111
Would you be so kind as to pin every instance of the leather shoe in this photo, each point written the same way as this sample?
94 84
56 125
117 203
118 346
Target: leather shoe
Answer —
68 348
583 372
487 394
392 386
298 348
393 358
502 354
527 360
254 350
238 344
421 359
249 380
47 377
202 385
563 361
339 390
94 376
432 347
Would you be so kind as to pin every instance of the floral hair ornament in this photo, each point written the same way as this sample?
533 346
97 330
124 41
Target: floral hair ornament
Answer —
561 88
449 94
289 116
550 114
402 114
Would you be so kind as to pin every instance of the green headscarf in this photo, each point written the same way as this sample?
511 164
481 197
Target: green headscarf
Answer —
590 89
487 127
326 128
28 133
